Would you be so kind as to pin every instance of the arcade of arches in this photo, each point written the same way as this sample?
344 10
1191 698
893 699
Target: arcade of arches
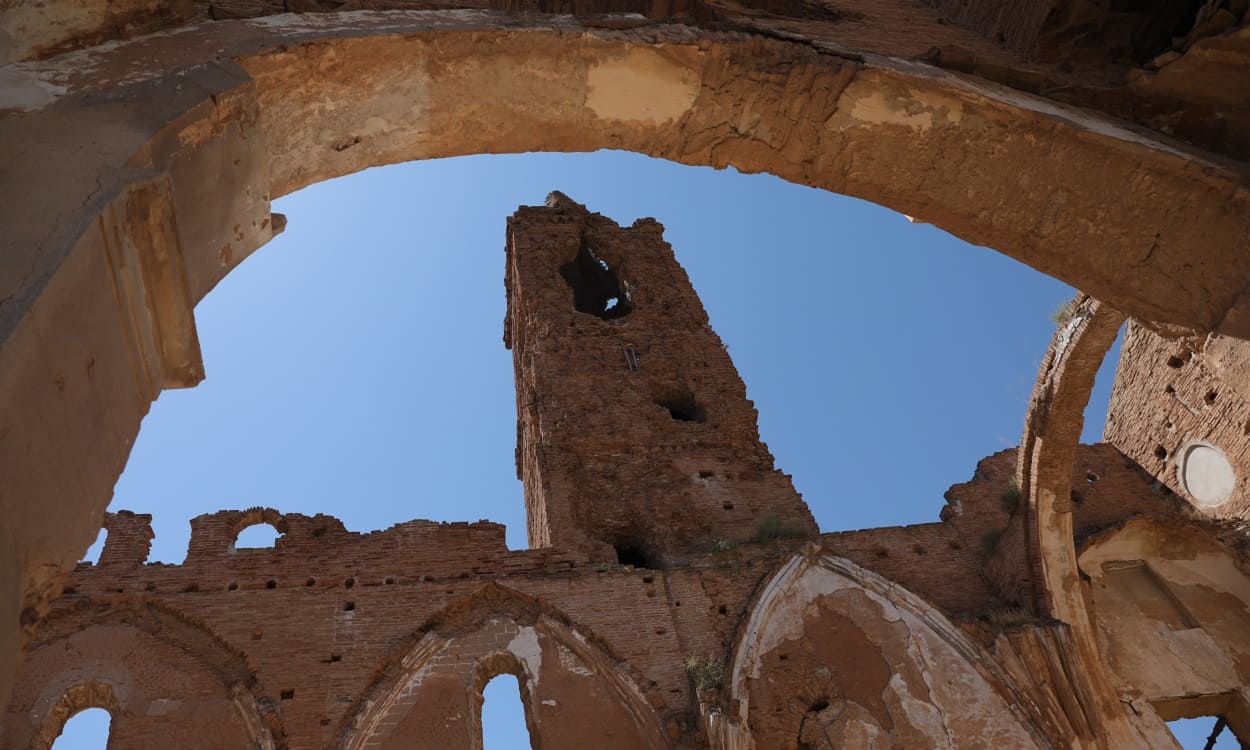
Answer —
142 141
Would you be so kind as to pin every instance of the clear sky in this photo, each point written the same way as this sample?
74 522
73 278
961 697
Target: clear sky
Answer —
356 365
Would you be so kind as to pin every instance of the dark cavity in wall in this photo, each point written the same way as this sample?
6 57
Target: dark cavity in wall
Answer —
596 288
1098 31
683 407
631 552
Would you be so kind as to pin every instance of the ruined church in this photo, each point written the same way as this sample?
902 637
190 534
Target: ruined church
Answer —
676 592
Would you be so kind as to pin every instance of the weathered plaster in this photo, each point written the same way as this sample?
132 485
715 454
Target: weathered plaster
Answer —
941 690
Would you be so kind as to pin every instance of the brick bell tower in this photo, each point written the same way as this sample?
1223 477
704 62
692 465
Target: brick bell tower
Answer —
635 439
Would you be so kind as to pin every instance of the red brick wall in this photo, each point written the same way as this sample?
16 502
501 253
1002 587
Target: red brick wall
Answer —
605 462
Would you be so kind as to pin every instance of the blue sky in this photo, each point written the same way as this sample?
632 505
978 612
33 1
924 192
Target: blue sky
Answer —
356 365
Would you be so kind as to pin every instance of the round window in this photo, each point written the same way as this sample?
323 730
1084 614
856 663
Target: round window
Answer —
1206 474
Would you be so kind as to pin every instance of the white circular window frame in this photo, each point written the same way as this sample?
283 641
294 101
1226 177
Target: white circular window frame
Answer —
1219 478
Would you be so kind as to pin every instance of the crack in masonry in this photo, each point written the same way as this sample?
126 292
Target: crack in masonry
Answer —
926 673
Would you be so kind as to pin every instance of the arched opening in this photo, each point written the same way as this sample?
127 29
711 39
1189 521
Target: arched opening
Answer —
900 171
256 536
503 715
85 730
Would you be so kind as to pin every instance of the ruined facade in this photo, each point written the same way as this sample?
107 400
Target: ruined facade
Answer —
676 593
1071 596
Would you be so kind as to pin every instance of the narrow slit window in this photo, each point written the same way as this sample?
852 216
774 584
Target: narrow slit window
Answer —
503 715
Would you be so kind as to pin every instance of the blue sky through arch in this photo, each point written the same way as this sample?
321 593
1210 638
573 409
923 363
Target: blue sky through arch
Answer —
356 366
86 730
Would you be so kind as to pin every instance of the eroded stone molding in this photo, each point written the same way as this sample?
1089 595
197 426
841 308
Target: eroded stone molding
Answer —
1052 431
437 683
75 698
986 710
104 655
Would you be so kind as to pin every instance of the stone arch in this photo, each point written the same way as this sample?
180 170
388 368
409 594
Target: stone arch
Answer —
1171 605
213 535
1037 547
218 118
432 693
488 668
160 675
76 698
258 517
833 655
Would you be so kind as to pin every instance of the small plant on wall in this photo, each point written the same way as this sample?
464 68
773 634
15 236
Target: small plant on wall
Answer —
773 527
707 672
1010 499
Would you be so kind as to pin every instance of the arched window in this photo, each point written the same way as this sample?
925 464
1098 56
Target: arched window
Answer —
257 536
86 730
80 719
503 715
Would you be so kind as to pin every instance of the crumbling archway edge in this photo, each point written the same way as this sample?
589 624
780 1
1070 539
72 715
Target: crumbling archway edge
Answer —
193 131
1073 194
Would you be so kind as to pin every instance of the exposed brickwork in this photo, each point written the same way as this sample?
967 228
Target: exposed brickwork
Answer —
1168 396
636 443
325 615
635 436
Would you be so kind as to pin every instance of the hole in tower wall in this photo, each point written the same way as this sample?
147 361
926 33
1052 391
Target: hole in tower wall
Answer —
596 288
683 407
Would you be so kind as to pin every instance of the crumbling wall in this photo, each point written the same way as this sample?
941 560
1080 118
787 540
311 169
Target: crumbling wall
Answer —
1172 606
164 680
1181 411
833 656
636 441
321 627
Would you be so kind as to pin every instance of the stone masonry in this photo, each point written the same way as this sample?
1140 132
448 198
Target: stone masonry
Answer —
676 593
635 439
